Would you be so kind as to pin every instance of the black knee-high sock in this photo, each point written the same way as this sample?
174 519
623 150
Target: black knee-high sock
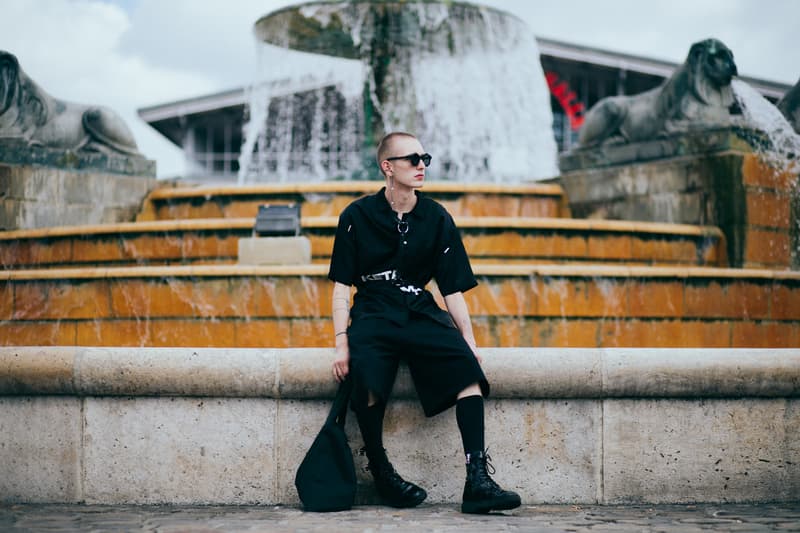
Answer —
370 421
469 415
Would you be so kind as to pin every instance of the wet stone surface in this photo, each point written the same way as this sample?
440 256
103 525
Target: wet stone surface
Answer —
683 518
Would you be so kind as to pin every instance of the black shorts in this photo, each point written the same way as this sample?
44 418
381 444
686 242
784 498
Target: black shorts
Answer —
439 359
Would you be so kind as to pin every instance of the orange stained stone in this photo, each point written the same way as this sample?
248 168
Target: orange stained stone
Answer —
785 301
327 207
211 208
321 245
165 211
291 296
768 248
564 333
238 209
733 299
6 300
765 335
478 205
572 245
768 208
97 249
578 296
312 333
714 254
483 331
668 333
655 298
193 332
60 333
153 246
210 245
14 252
174 297
513 332
130 332
61 299
757 172
49 251
548 207
499 297
655 250
260 333
609 247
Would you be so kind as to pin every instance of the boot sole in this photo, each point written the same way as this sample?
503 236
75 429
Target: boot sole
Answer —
484 507
405 504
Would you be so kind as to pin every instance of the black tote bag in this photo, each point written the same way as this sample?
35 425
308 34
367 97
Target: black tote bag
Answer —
326 479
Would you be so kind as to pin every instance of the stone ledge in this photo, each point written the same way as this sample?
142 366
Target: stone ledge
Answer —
186 192
329 222
304 373
481 269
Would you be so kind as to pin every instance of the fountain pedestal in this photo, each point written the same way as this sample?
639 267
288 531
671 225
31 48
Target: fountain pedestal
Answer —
275 251
711 177
46 187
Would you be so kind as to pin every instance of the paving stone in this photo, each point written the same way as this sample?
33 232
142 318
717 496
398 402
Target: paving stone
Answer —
541 518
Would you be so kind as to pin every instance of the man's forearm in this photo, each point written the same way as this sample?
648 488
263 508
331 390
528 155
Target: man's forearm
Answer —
340 311
457 307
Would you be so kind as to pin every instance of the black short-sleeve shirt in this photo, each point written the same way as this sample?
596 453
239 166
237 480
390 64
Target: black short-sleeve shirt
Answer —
370 242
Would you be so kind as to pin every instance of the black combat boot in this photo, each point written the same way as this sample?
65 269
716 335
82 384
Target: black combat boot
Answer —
393 489
481 493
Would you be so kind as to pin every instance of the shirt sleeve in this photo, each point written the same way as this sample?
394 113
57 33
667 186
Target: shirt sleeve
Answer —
453 271
343 257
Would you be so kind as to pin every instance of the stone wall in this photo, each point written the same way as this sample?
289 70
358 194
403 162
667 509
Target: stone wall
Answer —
36 197
710 178
173 425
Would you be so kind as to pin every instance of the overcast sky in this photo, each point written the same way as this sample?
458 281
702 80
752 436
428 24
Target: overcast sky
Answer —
128 54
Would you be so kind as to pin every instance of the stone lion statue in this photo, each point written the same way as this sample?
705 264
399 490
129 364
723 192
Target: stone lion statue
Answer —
30 113
697 95
789 105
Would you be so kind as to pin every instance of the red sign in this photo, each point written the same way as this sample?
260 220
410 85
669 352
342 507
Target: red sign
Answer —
567 98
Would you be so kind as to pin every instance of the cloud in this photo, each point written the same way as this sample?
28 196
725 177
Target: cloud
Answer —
72 50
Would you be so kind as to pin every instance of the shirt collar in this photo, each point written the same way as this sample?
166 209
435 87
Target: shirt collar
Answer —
383 204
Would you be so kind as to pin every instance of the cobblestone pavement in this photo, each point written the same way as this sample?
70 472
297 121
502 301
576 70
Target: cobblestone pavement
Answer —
174 519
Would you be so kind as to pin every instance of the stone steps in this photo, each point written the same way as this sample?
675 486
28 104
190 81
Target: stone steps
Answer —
487 239
329 198
514 305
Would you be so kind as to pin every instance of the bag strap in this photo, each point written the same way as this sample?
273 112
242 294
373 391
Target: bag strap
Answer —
338 412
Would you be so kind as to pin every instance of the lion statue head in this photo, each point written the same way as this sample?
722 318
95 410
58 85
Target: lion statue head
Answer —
711 69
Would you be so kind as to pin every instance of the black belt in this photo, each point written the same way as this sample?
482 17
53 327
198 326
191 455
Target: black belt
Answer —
392 275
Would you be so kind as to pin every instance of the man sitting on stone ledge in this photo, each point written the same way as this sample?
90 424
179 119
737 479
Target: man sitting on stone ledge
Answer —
390 245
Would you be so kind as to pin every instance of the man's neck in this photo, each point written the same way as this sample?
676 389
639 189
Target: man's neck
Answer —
402 201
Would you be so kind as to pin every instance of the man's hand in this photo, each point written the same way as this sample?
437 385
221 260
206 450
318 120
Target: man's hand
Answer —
341 365
474 349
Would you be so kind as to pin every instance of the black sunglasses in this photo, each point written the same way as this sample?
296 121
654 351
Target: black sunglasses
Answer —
414 159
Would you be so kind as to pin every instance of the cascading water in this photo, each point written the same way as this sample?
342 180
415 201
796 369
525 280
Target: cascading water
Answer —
776 142
465 79
781 146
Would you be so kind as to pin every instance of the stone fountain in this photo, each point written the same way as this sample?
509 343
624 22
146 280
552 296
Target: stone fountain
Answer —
464 78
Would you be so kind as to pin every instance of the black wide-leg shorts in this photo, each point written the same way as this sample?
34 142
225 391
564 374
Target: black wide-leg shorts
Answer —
439 359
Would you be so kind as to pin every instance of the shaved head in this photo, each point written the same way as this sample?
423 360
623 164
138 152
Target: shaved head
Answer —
387 144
